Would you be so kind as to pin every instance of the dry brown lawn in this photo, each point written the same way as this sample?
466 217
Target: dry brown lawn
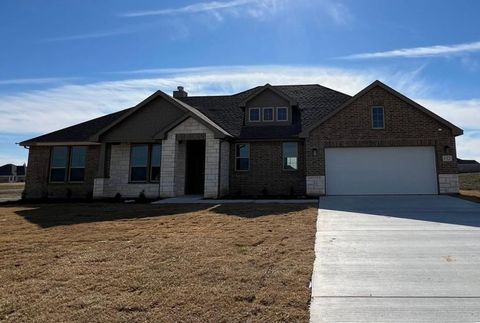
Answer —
470 186
101 262
11 190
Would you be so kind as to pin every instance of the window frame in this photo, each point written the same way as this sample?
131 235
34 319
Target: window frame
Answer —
383 117
259 115
51 165
273 114
286 114
238 157
148 166
151 166
283 156
70 164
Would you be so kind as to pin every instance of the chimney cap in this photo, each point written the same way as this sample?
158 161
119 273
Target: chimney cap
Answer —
180 93
180 88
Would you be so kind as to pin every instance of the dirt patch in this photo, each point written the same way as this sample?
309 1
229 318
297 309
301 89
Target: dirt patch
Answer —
128 263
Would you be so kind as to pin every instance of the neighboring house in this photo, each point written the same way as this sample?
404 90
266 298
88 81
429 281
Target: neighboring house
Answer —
468 166
269 140
10 173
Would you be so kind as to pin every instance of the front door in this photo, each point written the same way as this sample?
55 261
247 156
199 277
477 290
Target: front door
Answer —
195 167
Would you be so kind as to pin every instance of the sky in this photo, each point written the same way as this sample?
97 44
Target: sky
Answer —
64 62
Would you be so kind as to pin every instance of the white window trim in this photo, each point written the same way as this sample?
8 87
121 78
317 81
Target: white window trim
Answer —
276 114
259 115
283 157
383 117
273 114
237 157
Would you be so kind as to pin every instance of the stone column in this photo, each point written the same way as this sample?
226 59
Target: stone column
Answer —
167 172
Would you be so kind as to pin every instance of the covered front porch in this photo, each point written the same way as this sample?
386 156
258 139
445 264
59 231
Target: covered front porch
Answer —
193 161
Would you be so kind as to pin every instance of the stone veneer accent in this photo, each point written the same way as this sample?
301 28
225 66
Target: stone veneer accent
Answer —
170 174
118 181
448 183
315 185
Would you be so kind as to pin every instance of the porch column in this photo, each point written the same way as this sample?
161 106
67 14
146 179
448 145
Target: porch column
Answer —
167 172
212 166
99 180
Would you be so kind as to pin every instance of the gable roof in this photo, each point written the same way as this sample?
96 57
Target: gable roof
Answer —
456 130
260 89
313 101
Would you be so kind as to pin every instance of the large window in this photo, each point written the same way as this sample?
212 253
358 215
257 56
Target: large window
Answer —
58 164
378 118
254 114
155 164
267 114
145 163
282 114
139 163
77 164
290 155
242 157
67 163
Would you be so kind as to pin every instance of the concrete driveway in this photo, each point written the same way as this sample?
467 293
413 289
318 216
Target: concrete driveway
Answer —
396 259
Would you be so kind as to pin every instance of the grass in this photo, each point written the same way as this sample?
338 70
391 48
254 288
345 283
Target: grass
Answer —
470 186
98 262
11 190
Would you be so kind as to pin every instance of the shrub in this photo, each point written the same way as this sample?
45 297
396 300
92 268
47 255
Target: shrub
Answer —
118 197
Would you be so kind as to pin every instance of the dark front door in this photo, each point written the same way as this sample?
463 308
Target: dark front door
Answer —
195 167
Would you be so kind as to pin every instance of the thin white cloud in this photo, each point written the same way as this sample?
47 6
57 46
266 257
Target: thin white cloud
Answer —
42 80
432 51
41 111
213 6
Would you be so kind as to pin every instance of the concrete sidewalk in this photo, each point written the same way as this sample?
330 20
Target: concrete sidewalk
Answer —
396 259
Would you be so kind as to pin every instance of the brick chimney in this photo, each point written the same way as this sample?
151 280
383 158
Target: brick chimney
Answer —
180 93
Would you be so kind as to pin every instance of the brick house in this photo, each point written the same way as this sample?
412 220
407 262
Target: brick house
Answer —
10 173
269 140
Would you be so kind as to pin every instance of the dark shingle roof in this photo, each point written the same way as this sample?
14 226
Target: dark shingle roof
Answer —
314 102
79 132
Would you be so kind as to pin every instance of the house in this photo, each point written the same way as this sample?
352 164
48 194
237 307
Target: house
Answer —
269 140
10 173
468 166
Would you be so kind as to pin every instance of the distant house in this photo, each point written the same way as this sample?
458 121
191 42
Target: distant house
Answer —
10 173
468 166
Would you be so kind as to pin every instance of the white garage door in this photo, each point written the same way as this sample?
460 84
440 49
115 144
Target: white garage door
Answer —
380 170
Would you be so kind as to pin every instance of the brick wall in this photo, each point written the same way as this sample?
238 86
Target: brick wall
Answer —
37 185
404 126
266 171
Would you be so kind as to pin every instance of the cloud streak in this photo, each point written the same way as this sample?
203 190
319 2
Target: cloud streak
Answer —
43 80
194 8
416 52
70 104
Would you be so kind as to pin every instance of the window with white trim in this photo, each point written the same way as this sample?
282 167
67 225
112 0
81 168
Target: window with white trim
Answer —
267 114
290 156
242 157
282 114
378 118
254 114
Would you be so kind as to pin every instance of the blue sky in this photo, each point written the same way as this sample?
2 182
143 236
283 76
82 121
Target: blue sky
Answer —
63 62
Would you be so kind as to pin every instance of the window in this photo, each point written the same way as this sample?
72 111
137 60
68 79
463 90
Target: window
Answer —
290 155
282 114
155 162
58 164
77 164
242 157
254 114
267 114
138 163
378 118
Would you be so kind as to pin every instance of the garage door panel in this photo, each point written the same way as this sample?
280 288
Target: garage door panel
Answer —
380 170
